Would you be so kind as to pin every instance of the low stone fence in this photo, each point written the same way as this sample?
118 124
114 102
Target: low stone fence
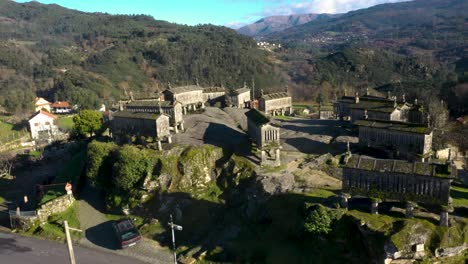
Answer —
55 206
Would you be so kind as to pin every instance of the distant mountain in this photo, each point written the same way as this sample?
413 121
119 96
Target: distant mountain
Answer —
94 58
272 24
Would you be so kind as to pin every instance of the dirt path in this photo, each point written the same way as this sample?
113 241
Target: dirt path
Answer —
100 235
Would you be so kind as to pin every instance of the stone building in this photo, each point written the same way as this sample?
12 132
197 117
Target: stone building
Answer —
191 96
265 135
149 125
213 95
373 107
239 98
407 140
399 180
42 125
276 104
326 112
172 109
41 103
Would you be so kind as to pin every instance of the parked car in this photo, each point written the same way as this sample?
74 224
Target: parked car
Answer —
126 232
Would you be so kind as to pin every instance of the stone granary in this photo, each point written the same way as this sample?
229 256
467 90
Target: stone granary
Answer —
407 140
238 98
149 125
276 104
191 96
380 108
265 135
326 112
172 109
412 182
213 95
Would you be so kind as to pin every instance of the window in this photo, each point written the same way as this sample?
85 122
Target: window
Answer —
36 124
47 123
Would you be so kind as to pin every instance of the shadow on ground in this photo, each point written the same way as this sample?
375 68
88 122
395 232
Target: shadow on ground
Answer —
103 235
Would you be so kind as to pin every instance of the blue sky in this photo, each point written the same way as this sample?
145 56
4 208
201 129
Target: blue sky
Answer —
232 13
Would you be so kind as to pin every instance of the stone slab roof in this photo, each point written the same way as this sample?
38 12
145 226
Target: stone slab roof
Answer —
184 89
240 91
395 125
214 89
136 115
151 103
257 117
399 166
274 96
326 108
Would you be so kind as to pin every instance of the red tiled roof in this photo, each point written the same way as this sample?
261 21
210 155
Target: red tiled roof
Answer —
44 113
60 104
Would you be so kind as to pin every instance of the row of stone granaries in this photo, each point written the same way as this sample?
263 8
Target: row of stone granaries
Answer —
403 130
158 117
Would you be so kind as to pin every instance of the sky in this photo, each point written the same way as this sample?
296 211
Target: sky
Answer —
230 13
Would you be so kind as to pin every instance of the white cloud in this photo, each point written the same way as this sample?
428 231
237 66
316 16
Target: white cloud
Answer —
235 24
322 6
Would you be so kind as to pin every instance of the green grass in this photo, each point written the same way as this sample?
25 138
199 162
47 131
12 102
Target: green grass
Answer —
459 196
7 133
320 193
65 123
54 228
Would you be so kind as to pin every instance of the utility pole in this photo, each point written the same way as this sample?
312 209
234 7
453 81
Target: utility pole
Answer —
176 227
69 242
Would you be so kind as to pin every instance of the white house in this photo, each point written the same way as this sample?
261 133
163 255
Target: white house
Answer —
42 123
41 103
61 107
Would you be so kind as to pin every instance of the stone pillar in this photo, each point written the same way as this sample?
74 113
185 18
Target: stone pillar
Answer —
282 111
344 200
169 139
176 129
277 157
203 106
159 145
374 207
194 107
263 157
409 210
182 126
444 219
184 110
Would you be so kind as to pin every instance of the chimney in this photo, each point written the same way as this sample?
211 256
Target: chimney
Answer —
394 102
160 108
367 91
344 91
416 101
261 92
404 98
389 95
357 98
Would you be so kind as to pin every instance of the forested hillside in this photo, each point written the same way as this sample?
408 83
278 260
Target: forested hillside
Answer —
418 47
94 58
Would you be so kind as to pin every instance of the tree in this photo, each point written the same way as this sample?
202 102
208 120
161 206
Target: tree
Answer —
99 163
87 122
318 221
131 165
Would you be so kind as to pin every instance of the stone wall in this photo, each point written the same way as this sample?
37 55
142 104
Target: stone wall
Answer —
55 206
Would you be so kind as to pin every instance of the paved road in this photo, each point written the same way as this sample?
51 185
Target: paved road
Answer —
25 250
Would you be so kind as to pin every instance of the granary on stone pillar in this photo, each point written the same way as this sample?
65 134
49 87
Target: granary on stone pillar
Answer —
326 111
213 95
398 180
190 96
149 125
410 141
171 108
265 135
276 104
379 108
239 98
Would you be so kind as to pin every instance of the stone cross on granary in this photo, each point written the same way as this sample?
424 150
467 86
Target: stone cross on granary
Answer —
196 82
367 91
169 85
404 98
